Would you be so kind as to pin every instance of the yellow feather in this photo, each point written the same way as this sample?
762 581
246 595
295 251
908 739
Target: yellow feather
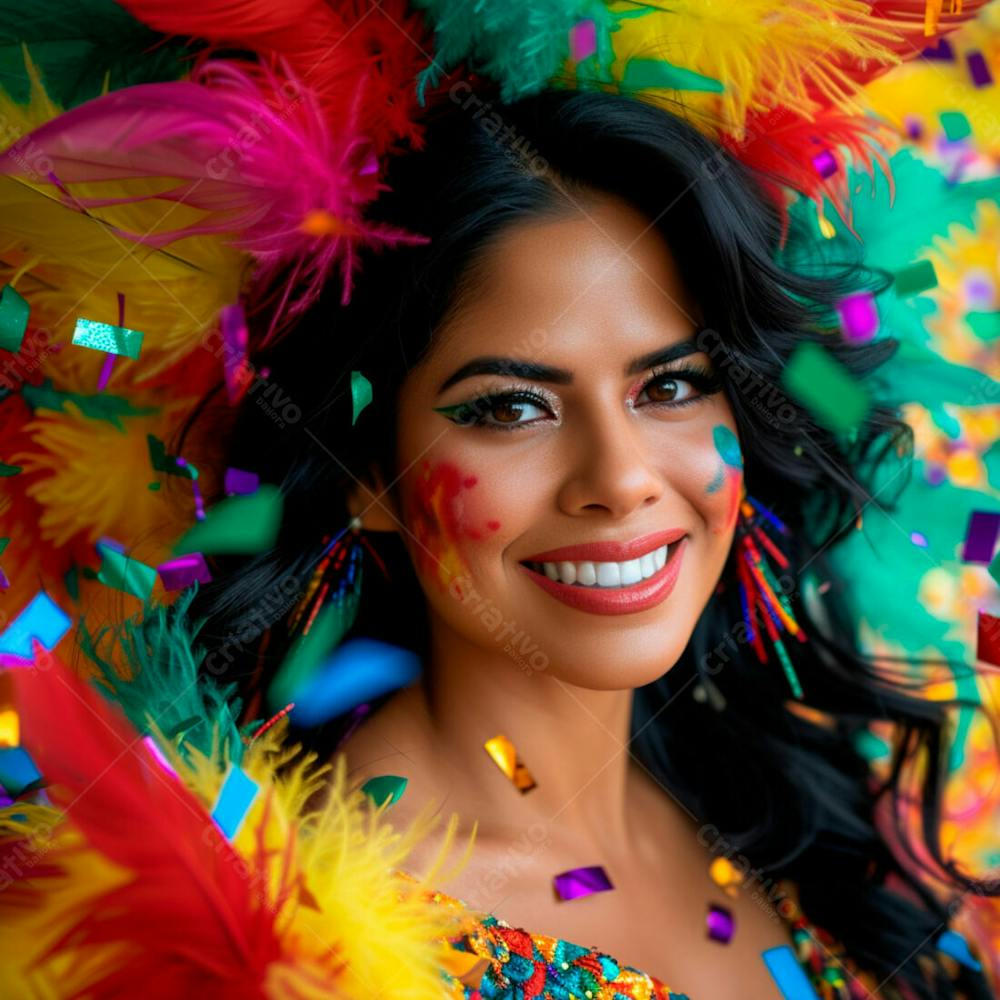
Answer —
764 54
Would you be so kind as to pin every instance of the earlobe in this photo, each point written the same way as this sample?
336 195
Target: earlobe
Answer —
374 504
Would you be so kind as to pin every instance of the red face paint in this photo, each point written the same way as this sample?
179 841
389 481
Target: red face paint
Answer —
440 523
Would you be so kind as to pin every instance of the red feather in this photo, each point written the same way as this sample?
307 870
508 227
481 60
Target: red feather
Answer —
331 47
190 916
780 146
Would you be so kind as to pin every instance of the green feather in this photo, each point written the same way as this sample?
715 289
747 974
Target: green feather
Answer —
166 687
82 48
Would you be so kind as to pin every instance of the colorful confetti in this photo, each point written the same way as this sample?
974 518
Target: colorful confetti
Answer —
122 572
988 638
579 882
918 277
361 395
720 924
239 525
104 337
858 317
41 619
18 773
176 574
14 311
239 482
385 788
981 536
788 974
505 757
235 798
822 384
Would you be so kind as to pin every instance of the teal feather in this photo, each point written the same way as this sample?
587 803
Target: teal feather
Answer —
166 687
82 47
522 44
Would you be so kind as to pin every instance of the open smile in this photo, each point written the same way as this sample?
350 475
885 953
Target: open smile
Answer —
611 586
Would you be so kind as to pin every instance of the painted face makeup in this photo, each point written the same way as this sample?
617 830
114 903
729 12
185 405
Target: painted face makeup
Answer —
730 472
441 524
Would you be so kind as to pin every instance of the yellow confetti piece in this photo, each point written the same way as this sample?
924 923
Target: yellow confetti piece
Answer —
826 227
725 875
10 728
505 756
963 468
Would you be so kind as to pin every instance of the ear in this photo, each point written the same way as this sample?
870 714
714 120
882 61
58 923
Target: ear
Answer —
369 500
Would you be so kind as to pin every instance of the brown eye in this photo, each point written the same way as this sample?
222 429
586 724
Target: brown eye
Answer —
506 413
664 390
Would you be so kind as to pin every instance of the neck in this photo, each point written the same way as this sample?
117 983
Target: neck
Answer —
573 741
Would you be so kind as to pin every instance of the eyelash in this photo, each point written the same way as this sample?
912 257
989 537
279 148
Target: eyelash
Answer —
705 381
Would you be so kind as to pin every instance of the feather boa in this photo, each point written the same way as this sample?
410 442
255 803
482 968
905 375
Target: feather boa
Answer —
126 883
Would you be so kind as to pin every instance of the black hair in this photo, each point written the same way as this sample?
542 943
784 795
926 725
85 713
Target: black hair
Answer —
785 789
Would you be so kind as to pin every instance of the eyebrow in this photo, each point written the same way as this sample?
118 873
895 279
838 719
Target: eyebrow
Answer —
494 365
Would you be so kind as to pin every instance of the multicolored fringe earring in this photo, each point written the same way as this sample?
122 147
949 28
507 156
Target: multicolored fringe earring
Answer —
335 583
761 595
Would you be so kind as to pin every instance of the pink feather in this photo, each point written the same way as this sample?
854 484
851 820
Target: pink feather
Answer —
248 148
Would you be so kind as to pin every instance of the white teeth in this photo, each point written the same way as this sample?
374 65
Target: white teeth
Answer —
567 572
606 574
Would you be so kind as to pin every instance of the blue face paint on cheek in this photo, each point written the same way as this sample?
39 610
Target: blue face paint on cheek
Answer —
728 447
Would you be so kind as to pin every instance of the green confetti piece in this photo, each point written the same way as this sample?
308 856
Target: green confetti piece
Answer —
102 406
994 568
152 486
385 788
122 572
826 388
985 325
916 278
956 126
871 747
361 395
162 462
14 312
306 655
651 74
4 542
9 470
239 525
105 337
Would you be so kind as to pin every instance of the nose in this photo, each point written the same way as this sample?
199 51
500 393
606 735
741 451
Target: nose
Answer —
611 469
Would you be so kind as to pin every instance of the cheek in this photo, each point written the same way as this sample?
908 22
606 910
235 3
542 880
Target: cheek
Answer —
446 511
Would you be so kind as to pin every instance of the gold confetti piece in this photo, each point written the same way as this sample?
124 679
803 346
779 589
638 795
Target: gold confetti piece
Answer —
725 875
505 756
10 734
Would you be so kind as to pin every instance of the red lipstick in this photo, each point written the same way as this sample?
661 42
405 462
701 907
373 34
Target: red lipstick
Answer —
614 600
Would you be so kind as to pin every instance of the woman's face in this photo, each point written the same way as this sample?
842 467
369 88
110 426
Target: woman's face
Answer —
585 443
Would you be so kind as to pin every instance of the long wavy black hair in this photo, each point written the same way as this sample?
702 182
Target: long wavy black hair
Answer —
787 791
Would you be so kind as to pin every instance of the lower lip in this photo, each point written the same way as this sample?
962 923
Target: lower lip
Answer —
617 600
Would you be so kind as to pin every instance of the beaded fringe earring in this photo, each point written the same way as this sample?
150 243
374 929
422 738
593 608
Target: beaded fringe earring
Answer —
761 595
335 583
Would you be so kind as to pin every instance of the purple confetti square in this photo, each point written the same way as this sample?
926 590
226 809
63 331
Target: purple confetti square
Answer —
241 482
981 537
579 882
720 924
942 50
978 70
183 571
858 316
583 39
914 127
825 163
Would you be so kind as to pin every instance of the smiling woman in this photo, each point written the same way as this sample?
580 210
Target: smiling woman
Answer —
576 494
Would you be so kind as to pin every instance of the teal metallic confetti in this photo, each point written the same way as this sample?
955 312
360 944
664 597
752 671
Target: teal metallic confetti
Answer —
385 788
120 571
235 798
105 337
14 312
956 126
361 395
